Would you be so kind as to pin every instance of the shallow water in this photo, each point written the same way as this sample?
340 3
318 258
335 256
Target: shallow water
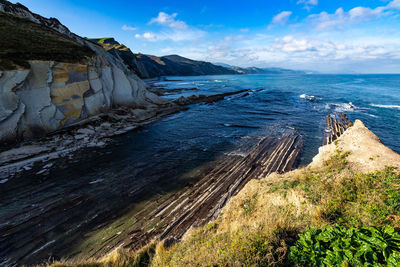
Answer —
96 186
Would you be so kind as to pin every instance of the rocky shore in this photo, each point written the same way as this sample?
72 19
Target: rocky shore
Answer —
96 131
194 99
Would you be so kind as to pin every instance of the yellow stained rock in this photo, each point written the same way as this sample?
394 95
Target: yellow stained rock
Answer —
69 97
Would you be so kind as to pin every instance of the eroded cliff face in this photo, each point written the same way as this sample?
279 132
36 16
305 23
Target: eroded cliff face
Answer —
52 94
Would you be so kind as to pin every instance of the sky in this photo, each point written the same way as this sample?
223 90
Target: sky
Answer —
341 36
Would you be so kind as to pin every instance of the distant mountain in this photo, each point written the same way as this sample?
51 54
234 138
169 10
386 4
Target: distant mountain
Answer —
254 70
148 66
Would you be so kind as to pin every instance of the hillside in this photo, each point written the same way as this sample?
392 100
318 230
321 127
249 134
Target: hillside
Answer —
148 66
51 78
23 44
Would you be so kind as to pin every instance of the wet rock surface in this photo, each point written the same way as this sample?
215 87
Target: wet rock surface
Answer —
194 99
96 131
56 218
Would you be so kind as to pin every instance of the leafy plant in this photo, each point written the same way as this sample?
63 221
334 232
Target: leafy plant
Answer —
341 246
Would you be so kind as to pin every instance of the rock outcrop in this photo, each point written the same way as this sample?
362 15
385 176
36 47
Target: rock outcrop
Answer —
51 78
368 153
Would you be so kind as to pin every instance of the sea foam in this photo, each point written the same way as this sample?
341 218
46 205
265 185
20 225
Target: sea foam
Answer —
386 106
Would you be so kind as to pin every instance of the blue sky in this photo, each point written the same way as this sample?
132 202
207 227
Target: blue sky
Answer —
323 35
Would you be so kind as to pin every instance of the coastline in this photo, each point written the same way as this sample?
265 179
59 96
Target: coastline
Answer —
96 131
272 200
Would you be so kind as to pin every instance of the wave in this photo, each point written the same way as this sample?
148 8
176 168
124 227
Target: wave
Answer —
360 80
386 106
311 98
342 107
96 181
372 115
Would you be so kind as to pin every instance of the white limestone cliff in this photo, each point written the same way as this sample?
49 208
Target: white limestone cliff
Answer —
50 95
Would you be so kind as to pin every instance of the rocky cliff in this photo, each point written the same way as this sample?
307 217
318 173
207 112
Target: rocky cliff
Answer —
51 78
148 66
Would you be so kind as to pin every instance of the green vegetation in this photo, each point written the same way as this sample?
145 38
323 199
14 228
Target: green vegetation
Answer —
271 222
355 213
27 40
341 246
109 43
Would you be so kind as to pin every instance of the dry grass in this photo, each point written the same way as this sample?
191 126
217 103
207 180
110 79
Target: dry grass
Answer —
119 258
25 40
258 226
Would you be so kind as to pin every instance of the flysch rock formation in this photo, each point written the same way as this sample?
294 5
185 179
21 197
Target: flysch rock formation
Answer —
50 94
368 153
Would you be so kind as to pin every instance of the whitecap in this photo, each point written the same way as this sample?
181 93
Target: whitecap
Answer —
385 106
360 80
96 181
371 115
308 97
342 107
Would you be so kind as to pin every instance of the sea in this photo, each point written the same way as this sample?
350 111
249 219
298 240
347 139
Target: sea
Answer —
96 186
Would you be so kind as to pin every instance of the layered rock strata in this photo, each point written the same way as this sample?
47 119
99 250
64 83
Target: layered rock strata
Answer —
51 94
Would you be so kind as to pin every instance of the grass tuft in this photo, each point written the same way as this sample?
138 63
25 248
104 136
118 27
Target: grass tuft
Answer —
259 226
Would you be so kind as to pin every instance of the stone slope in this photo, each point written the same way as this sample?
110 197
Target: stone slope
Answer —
51 90
367 153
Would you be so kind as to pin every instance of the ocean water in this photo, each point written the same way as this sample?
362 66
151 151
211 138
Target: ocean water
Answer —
97 186
300 102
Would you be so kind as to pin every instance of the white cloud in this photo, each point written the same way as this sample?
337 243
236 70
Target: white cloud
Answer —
175 36
353 48
394 4
173 30
290 44
308 3
307 52
358 14
282 17
233 38
148 36
168 20
128 28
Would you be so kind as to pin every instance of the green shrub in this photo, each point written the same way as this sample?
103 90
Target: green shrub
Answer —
341 246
